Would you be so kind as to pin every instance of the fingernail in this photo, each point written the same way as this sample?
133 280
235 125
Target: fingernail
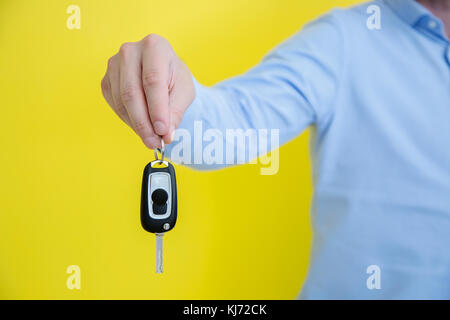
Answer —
159 127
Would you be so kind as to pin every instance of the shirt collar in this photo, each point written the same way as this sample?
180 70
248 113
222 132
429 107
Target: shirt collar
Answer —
409 10
417 16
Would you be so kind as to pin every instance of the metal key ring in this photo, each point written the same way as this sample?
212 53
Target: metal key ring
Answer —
160 150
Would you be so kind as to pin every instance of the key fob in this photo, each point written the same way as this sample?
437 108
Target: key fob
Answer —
159 197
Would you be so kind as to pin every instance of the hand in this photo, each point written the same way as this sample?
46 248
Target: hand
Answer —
149 88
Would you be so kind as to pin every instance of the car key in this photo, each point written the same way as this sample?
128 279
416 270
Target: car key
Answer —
159 200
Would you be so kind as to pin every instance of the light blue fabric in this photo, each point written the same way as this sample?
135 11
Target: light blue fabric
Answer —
379 105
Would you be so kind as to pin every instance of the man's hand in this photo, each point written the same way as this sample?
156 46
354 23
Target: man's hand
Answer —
149 88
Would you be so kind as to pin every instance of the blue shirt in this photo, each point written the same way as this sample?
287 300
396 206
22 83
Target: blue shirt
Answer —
379 104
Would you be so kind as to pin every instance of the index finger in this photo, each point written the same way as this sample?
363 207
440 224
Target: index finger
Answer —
132 95
155 81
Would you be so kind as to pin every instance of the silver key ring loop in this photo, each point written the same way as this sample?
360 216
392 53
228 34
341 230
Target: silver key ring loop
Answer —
160 150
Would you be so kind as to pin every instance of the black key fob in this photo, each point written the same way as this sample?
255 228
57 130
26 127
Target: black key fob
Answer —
159 197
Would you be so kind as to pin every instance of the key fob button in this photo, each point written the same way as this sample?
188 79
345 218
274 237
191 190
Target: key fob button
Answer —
159 209
159 197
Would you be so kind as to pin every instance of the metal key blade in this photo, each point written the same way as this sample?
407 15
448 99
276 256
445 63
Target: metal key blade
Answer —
159 252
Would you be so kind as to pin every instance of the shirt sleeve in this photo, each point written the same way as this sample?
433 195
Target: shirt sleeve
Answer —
293 87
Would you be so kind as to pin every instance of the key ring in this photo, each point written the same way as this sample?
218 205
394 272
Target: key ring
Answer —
160 150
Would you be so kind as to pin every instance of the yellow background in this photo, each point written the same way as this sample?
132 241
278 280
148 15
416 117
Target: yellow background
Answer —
71 171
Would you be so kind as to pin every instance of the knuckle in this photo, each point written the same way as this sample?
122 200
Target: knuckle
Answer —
121 111
140 127
125 49
105 84
128 93
110 62
151 78
152 39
